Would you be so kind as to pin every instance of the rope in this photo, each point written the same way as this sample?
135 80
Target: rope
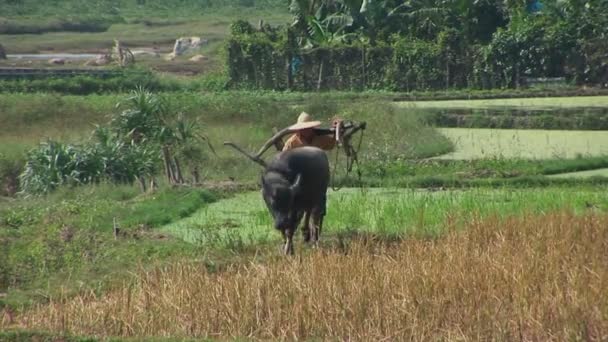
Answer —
333 176
352 159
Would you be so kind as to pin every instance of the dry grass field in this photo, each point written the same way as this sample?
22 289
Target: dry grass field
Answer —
526 277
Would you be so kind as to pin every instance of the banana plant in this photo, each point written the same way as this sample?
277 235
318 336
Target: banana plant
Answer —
320 22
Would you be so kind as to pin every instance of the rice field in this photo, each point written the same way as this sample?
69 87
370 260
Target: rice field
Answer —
244 219
583 174
393 264
477 143
527 103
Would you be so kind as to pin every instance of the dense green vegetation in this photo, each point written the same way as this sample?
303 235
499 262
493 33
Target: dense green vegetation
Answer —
401 45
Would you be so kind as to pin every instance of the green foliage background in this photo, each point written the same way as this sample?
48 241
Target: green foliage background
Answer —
421 45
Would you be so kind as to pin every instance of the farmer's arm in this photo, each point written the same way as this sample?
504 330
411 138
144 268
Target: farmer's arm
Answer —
292 142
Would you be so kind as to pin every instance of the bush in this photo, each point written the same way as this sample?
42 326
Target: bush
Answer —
53 164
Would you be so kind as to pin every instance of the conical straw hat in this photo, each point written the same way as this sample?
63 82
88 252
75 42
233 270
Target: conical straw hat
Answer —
304 121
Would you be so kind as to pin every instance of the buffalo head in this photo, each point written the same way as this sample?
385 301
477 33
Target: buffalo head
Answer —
280 194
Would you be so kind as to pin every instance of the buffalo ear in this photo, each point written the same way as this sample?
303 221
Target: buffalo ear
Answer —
297 184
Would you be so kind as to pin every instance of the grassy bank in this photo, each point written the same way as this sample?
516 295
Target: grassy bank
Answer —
70 235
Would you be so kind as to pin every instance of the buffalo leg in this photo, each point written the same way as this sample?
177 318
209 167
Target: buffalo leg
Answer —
315 225
306 227
288 236
320 226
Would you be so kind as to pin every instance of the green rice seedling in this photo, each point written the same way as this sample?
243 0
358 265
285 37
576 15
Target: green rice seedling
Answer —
538 103
382 211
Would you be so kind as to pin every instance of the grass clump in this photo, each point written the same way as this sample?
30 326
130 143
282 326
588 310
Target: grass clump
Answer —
497 279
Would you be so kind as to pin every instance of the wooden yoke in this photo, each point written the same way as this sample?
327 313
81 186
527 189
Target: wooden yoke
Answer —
349 128
257 157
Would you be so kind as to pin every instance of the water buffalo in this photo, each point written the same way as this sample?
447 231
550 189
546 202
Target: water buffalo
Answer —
294 185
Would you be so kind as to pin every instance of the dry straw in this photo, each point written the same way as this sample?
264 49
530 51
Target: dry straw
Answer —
521 278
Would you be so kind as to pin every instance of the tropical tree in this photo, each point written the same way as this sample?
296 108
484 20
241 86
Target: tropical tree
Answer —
128 149
148 120
320 22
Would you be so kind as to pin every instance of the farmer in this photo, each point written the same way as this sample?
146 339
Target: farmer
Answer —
306 136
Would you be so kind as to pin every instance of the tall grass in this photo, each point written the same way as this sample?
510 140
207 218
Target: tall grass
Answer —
526 278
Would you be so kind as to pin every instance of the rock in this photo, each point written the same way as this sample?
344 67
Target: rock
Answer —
57 61
182 45
198 58
2 52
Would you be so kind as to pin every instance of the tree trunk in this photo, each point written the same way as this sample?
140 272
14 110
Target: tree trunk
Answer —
167 162
517 77
256 76
196 176
320 80
142 183
178 172
364 72
153 185
447 74
289 73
